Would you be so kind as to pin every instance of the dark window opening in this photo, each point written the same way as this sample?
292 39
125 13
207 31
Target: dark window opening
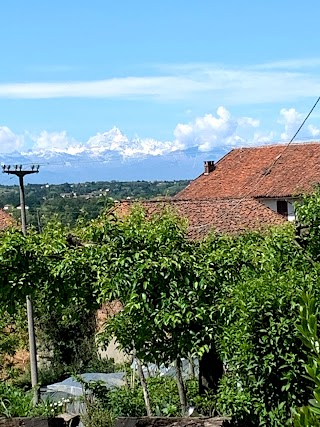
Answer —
282 207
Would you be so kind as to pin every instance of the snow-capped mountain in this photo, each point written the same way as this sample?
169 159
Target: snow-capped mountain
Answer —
110 156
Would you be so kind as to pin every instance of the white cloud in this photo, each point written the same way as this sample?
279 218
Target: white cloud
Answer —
209 132
9 141
169 87
292 120
289 64
55 141
248 121
281 81
204 134
261 138
314 131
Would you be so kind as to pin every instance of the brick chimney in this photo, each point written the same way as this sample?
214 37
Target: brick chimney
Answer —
208 167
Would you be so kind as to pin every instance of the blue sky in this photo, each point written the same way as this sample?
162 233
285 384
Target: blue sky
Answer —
186 74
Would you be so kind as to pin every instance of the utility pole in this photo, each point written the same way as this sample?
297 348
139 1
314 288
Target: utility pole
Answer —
17 170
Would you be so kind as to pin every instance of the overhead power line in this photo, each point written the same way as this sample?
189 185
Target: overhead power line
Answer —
302 124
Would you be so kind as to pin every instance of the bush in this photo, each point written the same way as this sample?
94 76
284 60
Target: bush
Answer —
96 414
258 340
128 401
309 415
15 402
69 346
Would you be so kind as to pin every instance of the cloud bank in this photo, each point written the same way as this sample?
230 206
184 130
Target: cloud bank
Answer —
206 133
252 84
9 141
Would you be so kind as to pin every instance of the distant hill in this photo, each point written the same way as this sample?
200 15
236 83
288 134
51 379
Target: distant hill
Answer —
69 202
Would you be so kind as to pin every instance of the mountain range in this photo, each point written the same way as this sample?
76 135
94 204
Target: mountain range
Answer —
112 156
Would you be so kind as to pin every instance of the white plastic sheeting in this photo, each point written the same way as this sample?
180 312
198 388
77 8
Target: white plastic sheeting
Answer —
72 387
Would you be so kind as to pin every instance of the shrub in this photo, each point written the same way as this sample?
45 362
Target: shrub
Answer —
258 340
96 414
128 401
309 415
14 402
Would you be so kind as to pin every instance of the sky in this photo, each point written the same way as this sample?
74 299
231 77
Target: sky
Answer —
169 75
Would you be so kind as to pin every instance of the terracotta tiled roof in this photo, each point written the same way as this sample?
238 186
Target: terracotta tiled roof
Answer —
259 172
6 220
222 215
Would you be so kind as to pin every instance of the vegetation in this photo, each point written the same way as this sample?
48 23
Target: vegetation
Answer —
309 415
69 202
128 400
14 402
232 300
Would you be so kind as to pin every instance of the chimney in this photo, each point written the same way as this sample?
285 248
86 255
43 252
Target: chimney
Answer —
208 167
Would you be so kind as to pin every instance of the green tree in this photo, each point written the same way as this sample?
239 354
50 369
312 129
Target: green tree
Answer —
309 415
63 284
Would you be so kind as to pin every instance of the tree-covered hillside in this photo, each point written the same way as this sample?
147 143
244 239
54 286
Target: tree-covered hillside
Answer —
71 201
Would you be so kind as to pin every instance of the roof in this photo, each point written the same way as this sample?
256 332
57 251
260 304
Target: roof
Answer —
268 171
221 215
6 220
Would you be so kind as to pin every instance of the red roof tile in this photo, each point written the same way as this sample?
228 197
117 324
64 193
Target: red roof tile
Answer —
221 215
6 220
260 172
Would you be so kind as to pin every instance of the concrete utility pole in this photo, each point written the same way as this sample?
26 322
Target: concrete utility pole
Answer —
17 170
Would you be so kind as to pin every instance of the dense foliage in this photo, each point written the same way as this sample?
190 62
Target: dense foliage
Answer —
127 400
62 283
238 295
259 341
309 415
15 402
147 265
234 299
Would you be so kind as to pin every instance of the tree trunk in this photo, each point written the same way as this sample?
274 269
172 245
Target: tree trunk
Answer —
181 389
210 371
144 388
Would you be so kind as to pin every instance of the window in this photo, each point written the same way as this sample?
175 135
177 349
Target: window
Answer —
282 207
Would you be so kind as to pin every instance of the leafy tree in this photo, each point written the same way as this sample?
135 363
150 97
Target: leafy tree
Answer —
167 284
147 264
62 281
309 415
258 340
